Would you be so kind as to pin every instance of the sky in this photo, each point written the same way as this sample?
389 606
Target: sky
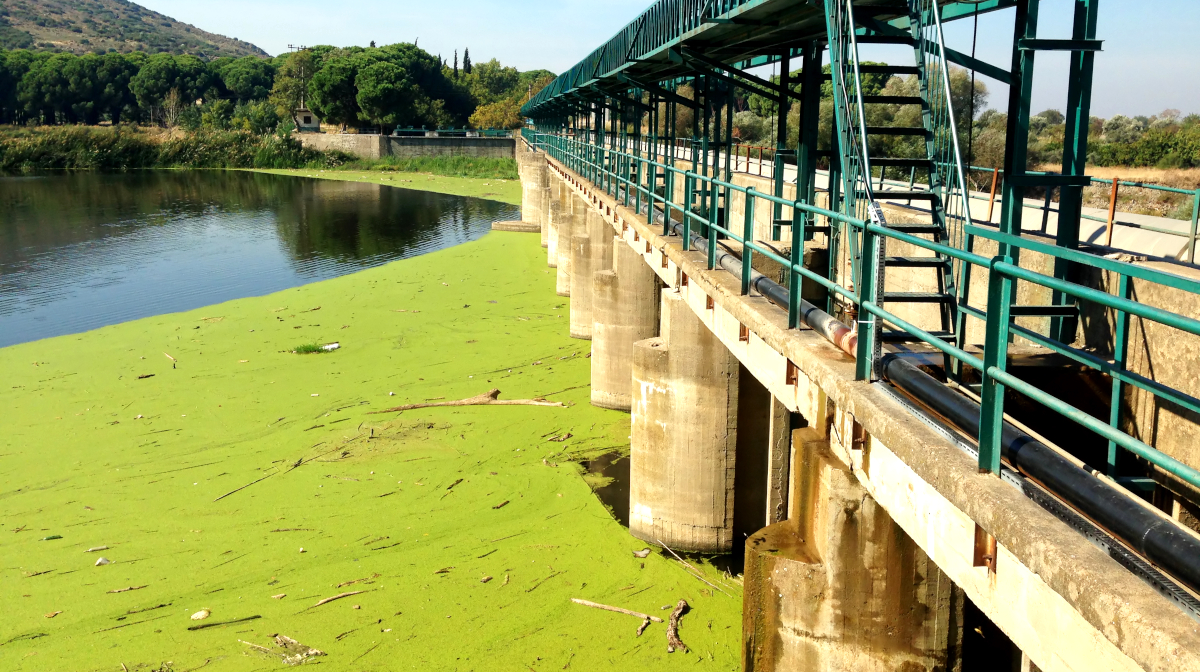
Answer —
1150 62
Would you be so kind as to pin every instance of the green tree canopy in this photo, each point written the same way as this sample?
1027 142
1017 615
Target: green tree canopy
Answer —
163 73
248 78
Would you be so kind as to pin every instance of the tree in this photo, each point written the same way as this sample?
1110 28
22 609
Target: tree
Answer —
502 114
386 95
162 73
248 78
492 82
467 61
113 74
290 90
44 90
331 91
456 63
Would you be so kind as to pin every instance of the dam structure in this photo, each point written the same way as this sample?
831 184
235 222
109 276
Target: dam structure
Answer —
942 438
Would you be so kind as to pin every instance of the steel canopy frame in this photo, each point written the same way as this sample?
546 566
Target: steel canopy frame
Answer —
738 32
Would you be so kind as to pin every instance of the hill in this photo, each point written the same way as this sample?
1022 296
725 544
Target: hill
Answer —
83 26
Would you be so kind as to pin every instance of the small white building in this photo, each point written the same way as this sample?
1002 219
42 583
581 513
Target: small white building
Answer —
307 121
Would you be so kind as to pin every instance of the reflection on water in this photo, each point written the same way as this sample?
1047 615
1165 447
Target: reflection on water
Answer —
79 252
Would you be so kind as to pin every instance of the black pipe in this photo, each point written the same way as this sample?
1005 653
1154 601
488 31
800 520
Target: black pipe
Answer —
1159 540
1156 538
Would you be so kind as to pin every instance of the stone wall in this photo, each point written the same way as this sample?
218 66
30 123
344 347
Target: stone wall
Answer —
380 146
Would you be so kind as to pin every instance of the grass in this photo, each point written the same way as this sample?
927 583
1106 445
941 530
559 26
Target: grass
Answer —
505 191
254 484
450 166
1141 201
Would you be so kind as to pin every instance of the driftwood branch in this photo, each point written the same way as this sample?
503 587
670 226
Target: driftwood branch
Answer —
337 597
491 398
673 641
692 570
635 614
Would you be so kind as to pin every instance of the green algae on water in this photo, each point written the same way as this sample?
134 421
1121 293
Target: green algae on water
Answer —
254 484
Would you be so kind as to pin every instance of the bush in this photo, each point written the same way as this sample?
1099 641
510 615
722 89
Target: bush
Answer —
121 148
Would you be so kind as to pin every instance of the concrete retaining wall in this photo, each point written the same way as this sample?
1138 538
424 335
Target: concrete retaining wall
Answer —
380 146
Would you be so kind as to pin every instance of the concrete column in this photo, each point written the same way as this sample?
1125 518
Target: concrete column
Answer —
581 286
554 218
543 173
531 186
684 440
625 309
574 213
839 586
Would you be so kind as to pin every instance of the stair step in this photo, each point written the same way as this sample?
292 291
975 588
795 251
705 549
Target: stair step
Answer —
905 337
889 69
916 262
894 100
907 195
895 130
901 163
916 297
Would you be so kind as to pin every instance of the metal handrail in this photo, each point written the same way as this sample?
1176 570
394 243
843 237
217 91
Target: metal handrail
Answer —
585 158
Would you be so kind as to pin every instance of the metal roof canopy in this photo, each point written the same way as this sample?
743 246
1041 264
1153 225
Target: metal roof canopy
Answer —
743 33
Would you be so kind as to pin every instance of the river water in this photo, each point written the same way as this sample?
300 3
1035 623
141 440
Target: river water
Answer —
82 251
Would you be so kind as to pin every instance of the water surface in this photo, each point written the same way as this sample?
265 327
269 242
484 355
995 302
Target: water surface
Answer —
83 251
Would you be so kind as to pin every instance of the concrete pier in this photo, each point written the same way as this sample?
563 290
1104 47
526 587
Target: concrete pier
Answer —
684 444
839 586
574 214
626 310
554 219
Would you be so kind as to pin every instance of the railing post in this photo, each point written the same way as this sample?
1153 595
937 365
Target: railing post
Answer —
867 293
710 230
1191 254
995 357
689 188
747 241
1112 211
1120 354
992 198
795 278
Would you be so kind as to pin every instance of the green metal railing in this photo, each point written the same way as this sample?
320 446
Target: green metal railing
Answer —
635 179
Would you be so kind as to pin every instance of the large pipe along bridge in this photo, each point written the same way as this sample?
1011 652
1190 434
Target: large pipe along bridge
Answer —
940 441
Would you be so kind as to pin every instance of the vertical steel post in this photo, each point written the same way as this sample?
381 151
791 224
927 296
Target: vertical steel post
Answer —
869 277
1075 149
1016 151
1191 253
747 241
689 193
1120 355
785 83
995 357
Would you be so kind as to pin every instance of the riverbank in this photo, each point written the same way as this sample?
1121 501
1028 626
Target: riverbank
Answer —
218 471
33 150
505 191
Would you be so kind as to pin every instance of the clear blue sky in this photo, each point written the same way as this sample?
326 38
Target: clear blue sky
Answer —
1151 59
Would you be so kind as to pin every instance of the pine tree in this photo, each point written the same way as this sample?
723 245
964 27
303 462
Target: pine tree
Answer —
467 61
372 44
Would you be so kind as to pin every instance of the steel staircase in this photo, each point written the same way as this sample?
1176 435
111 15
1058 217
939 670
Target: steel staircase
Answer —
937 159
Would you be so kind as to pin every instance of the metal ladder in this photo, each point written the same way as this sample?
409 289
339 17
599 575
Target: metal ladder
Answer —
938 158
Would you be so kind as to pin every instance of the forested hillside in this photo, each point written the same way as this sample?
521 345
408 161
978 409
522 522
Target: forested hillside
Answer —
378 88
100 26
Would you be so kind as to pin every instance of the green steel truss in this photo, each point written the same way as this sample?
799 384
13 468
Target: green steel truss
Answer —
615 119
